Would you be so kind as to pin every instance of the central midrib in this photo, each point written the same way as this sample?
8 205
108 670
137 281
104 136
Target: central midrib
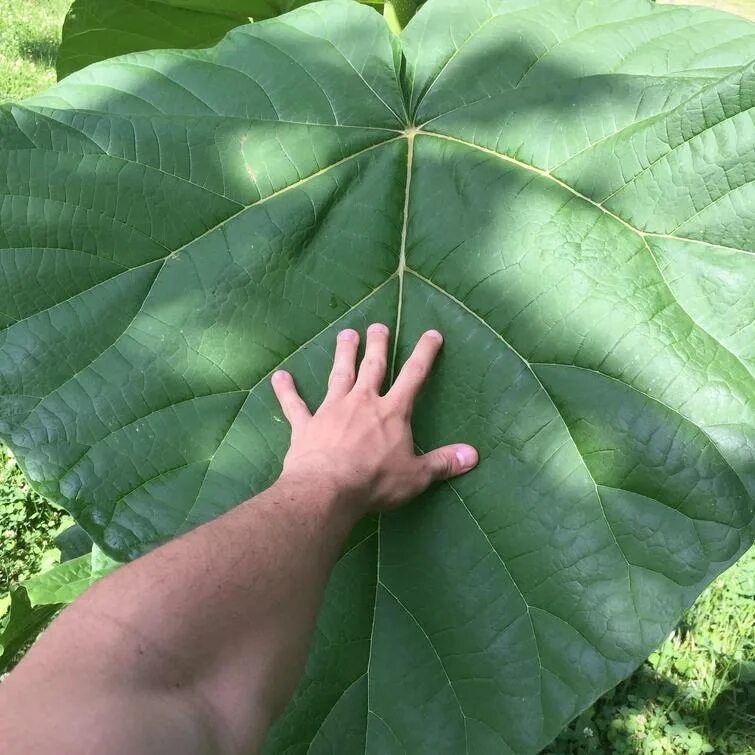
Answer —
399 273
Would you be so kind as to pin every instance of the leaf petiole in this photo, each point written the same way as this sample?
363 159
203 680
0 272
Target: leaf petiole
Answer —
398 13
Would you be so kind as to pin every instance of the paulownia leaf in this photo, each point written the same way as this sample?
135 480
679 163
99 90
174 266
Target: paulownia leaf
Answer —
564 188
98 29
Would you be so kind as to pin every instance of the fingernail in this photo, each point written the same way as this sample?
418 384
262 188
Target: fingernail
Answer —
467 456
348 335
279 375
378 327
435 334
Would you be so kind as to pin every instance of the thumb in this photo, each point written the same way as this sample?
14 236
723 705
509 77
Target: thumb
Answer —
450 461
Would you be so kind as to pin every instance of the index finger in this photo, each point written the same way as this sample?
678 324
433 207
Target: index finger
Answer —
416 370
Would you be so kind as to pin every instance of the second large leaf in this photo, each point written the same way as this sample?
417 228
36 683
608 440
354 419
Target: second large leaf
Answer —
563 188
95 30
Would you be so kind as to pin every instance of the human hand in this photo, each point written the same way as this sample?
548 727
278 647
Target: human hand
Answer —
359 443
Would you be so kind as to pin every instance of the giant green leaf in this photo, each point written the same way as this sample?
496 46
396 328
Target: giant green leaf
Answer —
563 187
98 29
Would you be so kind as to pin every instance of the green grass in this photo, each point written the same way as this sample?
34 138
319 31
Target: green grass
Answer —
695 694
29 38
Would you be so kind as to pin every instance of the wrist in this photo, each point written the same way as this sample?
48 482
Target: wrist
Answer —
318 492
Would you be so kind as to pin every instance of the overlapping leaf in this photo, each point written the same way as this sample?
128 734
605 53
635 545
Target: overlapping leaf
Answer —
95 30
35 601
577 179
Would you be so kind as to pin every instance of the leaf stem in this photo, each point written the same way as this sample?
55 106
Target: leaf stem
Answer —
398 13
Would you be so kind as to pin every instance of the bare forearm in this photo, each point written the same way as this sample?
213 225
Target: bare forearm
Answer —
220 619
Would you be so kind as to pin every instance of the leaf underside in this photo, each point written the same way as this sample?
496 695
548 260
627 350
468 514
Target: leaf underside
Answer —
580 212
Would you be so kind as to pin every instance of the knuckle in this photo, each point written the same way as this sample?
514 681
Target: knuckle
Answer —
428 476
375 364
445 465
394 404
342 375
294 402
418 370
284 396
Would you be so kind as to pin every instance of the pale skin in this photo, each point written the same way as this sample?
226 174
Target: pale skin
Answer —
195 648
